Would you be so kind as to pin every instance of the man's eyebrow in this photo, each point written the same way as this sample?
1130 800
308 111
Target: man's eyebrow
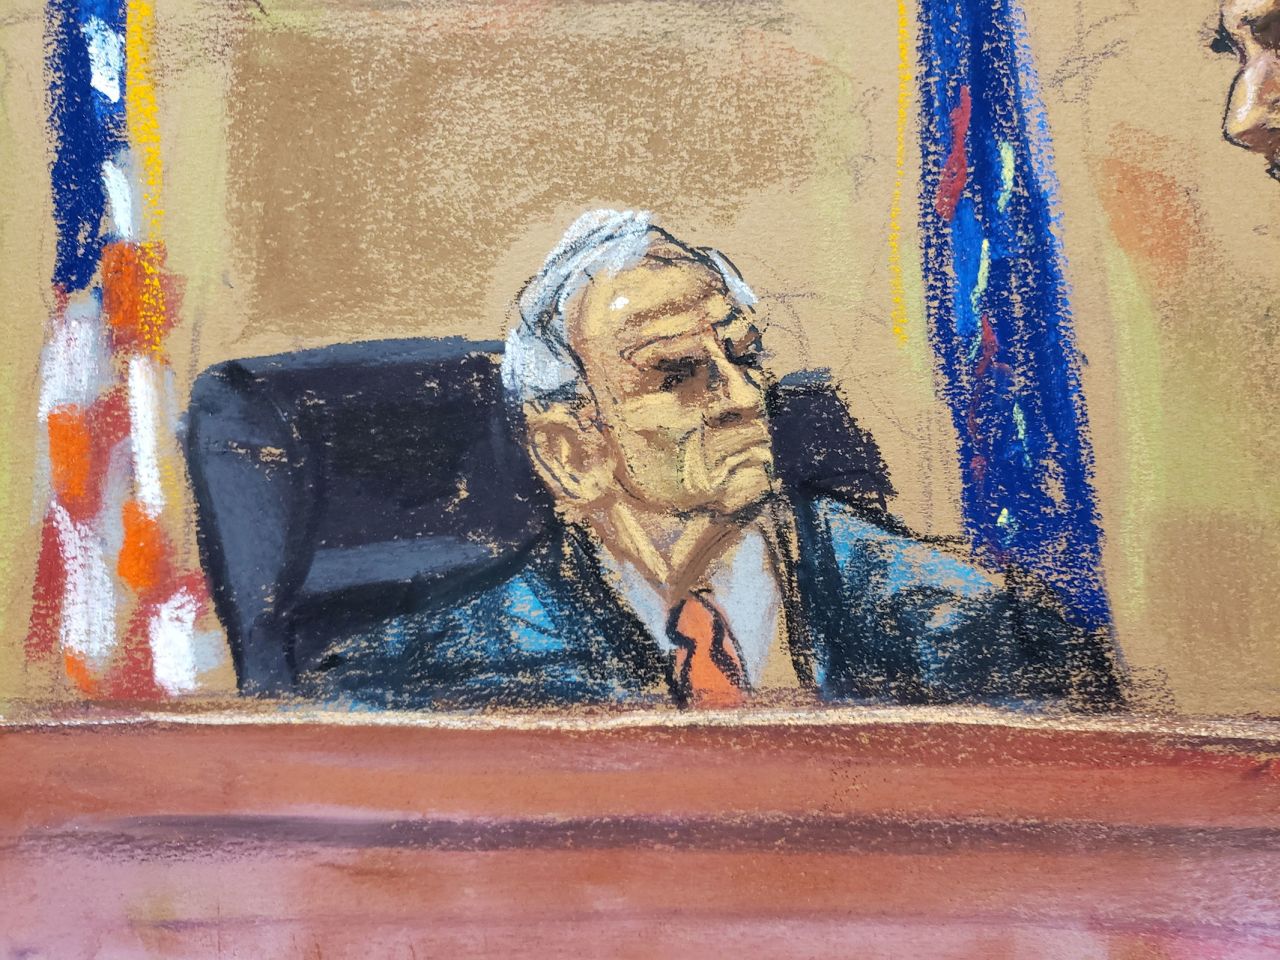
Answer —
733 314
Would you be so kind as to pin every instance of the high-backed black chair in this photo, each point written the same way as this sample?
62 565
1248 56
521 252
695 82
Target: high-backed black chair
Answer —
356 481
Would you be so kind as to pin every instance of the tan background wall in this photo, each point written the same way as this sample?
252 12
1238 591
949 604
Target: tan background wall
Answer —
341 171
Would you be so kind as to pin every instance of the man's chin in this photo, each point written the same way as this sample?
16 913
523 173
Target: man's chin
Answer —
746 488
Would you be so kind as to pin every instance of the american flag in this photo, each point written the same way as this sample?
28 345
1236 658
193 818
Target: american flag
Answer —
114 610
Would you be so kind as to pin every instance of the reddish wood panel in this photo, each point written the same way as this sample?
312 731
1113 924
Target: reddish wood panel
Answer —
761 840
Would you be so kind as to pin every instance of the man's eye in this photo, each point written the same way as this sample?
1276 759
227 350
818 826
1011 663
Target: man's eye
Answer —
676 372
1223 43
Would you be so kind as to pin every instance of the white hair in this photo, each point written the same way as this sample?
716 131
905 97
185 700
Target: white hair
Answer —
539 364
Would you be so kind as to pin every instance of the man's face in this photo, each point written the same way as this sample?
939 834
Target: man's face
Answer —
1251 31
674 368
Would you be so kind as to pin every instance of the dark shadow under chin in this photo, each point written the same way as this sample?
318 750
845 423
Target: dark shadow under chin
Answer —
748 512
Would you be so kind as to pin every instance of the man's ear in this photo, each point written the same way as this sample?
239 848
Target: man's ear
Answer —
569 454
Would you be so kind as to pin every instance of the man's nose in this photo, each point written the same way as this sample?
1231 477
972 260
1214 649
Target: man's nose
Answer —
736 396
1253 108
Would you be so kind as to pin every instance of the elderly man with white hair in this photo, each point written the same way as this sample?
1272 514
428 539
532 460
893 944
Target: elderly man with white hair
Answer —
681 571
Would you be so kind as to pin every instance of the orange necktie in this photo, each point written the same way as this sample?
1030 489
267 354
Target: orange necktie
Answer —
708 671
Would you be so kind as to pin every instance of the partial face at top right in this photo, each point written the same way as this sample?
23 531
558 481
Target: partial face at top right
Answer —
1251 31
